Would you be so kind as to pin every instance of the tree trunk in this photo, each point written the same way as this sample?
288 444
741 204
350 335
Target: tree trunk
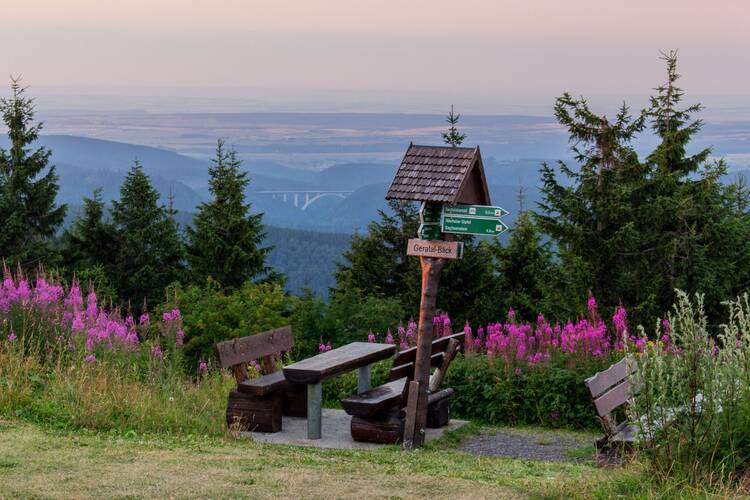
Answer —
431 269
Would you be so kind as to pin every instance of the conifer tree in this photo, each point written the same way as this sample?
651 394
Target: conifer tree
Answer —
225 242
452 136
376 264
525 268
90 240
698 239
151 253
28 186
630 231
591 220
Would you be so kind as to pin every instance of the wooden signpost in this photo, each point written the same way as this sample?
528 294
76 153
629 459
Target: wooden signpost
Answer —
451 184
435 248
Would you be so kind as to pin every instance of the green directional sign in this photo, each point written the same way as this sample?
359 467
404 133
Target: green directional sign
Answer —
429 231
474 210
473 225
430 213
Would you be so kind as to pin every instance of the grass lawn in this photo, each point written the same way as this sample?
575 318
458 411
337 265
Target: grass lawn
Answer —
38 462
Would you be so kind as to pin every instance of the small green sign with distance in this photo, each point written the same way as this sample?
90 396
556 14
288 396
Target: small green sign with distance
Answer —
429 231
472 225
430 213
475 211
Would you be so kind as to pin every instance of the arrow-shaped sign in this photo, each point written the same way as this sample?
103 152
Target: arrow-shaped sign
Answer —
475 211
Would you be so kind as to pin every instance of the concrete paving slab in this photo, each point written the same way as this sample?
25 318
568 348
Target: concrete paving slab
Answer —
336 432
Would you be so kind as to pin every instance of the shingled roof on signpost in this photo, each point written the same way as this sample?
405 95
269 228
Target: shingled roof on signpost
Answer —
441 174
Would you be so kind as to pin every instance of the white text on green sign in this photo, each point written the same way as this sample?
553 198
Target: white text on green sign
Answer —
429 231
430 213
474 210
472 225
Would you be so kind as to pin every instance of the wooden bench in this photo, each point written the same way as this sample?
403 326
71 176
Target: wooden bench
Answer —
258 404
611 389
378 414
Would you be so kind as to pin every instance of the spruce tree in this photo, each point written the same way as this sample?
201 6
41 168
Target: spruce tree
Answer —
452 136
591 219
91 240
632 231
151 253
225 242
28 186
525 269
698 239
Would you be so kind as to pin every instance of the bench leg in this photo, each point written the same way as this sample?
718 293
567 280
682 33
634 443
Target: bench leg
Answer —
314 410
364 379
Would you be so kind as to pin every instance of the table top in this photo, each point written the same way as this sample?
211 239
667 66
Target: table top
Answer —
336 361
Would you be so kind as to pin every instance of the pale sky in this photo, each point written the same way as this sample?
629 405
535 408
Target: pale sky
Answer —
472 47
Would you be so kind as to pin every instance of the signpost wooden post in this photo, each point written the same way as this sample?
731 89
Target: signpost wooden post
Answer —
438 177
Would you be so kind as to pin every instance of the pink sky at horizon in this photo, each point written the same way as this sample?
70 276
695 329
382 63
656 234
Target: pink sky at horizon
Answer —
472 47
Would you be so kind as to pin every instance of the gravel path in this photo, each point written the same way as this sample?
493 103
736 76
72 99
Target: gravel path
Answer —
547 446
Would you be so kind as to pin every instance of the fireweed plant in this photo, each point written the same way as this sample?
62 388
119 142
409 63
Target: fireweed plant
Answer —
67 360
516 372
525 345
694 401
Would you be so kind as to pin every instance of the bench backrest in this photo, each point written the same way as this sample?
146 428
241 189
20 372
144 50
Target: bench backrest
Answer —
236 353
612 388
404 362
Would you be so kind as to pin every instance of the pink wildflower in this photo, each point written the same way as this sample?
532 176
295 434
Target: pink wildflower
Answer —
156 352
12 337
389 337
371 337
202 366
179 338
90 359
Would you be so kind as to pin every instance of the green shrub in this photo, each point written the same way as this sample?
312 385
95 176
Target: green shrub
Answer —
348 317
211 315
695 396
552 395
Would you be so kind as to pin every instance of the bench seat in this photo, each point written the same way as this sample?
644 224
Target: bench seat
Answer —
628 434
264 385
375 400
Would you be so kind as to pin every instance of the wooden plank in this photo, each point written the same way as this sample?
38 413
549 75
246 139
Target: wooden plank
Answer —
331 363
438 345
244 349
261 386
438 414
603 380
258 414
376 400
439 396
384 429
613 398
407 370
411 414
437 378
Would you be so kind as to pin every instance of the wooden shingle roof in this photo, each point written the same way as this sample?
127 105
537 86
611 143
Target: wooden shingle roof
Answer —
440 174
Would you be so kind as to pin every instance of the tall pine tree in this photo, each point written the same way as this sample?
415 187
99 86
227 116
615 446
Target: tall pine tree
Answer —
633 231
28 187
592 219
151 253
225 242
91 240
697 239
525 269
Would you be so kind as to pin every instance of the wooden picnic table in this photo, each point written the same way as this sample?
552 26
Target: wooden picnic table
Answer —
313 371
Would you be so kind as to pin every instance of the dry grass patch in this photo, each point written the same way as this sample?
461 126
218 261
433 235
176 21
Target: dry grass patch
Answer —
39 463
